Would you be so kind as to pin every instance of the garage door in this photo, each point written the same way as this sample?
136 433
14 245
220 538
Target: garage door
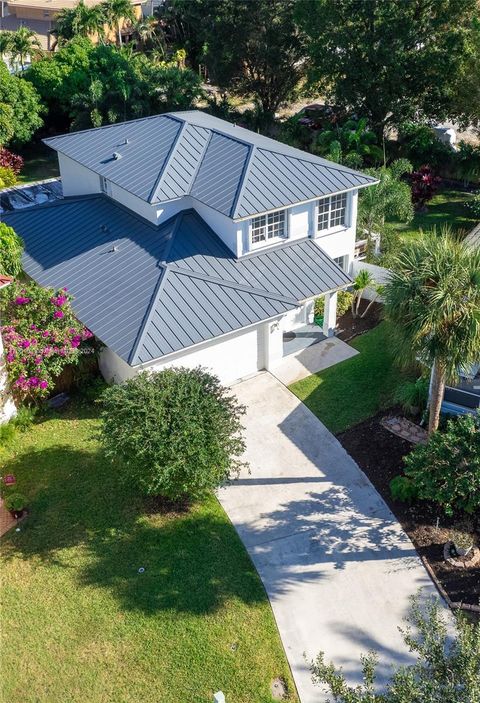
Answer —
230 359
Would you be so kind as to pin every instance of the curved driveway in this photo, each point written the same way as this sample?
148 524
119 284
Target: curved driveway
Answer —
336 565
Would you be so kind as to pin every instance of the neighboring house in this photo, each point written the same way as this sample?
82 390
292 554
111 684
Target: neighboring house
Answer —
187 240
39 16
464 397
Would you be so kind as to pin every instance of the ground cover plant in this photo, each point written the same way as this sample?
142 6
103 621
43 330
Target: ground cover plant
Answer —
351 391
78 619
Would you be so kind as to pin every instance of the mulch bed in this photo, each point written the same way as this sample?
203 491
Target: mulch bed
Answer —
349 327
379 454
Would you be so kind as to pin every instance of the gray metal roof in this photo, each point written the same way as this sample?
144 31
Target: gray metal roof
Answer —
233 170
147 291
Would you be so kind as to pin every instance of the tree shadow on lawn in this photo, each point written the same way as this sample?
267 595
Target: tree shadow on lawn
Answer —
193 562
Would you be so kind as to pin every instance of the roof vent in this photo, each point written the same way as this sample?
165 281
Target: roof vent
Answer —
126 141
116 156
104 228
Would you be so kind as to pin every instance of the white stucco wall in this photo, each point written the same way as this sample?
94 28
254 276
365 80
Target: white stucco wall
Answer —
230 232
77 179
230 357
7 406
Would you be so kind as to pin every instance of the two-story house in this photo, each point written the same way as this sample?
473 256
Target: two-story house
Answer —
188 240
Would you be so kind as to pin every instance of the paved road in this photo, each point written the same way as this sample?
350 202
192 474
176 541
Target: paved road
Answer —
337 566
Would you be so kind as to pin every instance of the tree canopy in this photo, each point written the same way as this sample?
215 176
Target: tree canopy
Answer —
86 85
387 60
251 48
20 108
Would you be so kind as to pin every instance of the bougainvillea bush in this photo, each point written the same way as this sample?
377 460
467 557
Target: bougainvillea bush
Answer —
41 336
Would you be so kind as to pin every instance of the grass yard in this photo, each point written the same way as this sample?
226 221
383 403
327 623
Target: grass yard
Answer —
446 207
355 389
40 162
79 622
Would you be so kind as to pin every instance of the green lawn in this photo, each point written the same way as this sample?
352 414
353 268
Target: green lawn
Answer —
446 207
79 622
40 162
355 389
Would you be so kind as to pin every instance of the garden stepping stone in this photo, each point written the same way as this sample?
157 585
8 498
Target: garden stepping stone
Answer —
405 429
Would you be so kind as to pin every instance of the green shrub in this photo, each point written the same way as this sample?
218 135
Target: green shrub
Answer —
474 204
24 417
344 301
447 469
403 488
413 395
420 145
175 433
11 248
8 432
15 501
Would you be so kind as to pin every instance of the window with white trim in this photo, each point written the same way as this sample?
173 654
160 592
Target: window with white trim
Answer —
332 212
341 261
268 227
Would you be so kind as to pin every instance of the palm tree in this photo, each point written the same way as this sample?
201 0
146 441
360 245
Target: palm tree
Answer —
145 31
363 280
116 12
80 21
391 197
23 43
433 299
5 43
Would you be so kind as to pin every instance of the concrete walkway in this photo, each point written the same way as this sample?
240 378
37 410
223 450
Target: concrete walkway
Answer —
313 359
337 566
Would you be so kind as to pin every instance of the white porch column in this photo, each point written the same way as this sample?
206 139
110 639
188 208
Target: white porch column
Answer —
7 406
330 314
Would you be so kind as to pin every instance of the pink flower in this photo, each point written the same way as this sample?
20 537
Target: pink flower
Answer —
10 356
22 300
25 344
43 384
58 314
46 333
33 381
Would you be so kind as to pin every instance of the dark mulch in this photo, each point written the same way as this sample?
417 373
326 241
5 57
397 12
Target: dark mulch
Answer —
379 454
349 327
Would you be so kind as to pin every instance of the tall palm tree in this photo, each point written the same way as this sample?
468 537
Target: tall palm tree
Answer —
116 12
391 197
5 43
80 20
433 300
23 43
145 31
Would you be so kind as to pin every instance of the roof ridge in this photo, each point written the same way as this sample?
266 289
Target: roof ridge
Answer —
243 179
232 284
111 126
173 150
149 314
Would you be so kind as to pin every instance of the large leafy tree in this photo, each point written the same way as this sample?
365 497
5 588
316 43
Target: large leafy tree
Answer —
385 59
433 299
250 48
446 670
20 108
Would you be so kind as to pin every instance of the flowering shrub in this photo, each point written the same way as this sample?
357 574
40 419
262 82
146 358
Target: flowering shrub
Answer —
10 160
41 336
424 186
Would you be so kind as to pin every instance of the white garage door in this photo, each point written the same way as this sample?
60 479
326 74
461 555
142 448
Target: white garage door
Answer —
230 359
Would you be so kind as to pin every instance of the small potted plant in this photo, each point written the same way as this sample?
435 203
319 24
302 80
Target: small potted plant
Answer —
15 503
462 542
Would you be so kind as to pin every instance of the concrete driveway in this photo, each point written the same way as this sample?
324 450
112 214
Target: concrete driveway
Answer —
336 565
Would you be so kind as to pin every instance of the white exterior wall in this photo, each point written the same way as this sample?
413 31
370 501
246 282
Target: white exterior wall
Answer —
77 179
230 357
7 406
225 228
379 273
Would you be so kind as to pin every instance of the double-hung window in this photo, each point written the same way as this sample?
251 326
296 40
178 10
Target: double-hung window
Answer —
332 212
268 227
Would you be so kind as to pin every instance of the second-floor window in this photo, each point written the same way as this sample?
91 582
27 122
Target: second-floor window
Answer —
267 227
332 212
